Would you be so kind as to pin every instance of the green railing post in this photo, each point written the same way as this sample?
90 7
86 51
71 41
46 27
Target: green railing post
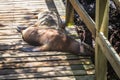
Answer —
102 14
69 14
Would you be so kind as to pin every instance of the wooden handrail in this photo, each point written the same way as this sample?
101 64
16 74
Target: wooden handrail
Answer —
104 45
111 55
84 15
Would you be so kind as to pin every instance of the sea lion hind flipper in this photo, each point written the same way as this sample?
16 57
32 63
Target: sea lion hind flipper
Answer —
28 49
35 49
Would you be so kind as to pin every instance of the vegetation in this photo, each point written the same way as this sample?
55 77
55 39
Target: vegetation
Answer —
114 28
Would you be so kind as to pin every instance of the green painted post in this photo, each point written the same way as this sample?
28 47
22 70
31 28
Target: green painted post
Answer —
69 14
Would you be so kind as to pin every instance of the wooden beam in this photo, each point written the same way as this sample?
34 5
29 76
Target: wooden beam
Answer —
69 14
102 26
84 16
110 53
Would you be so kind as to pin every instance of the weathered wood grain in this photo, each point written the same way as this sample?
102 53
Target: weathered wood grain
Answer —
43 74
42 58
18 65
16 53
90 77
41 64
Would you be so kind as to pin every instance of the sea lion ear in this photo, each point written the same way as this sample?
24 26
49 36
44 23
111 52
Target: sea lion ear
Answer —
20 28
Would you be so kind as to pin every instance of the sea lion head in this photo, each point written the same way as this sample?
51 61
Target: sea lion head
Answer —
29 35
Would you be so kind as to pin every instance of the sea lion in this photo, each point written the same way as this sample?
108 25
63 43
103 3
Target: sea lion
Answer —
46 35
51 40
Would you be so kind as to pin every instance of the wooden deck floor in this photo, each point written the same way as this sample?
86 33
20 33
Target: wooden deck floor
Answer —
18 65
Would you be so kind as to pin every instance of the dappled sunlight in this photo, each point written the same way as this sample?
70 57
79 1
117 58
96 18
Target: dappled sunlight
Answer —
49 65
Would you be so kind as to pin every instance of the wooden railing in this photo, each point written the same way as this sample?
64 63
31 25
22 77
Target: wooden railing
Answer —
117 2
99 29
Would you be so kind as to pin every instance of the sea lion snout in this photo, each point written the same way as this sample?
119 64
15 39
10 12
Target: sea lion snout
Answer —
20 28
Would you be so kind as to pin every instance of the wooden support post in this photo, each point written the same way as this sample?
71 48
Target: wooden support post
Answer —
84 16
102 26
69 14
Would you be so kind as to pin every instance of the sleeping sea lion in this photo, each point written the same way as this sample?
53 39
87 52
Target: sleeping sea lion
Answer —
51 40
45 35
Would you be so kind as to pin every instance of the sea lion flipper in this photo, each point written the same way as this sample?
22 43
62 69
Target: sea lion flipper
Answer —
44 47
20 28
28 49
36 49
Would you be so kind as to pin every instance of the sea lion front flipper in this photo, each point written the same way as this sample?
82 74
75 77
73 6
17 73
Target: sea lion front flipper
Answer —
36 49
20 28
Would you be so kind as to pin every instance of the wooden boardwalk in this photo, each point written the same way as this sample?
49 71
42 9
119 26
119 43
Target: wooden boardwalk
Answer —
18 65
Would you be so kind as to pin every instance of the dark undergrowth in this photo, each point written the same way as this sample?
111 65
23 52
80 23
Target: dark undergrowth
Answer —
114 29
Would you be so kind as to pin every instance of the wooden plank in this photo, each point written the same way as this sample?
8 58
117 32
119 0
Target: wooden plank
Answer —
11 37
17 20
4 47
15 54
4 43
46 74
42 64
18 54
22 16
86 77
7 34
7 28
84 16
102 11
22 10
9 3
28 1
2 33
47 69
111 55
42 58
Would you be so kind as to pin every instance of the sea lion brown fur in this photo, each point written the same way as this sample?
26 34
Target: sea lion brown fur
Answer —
51 40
